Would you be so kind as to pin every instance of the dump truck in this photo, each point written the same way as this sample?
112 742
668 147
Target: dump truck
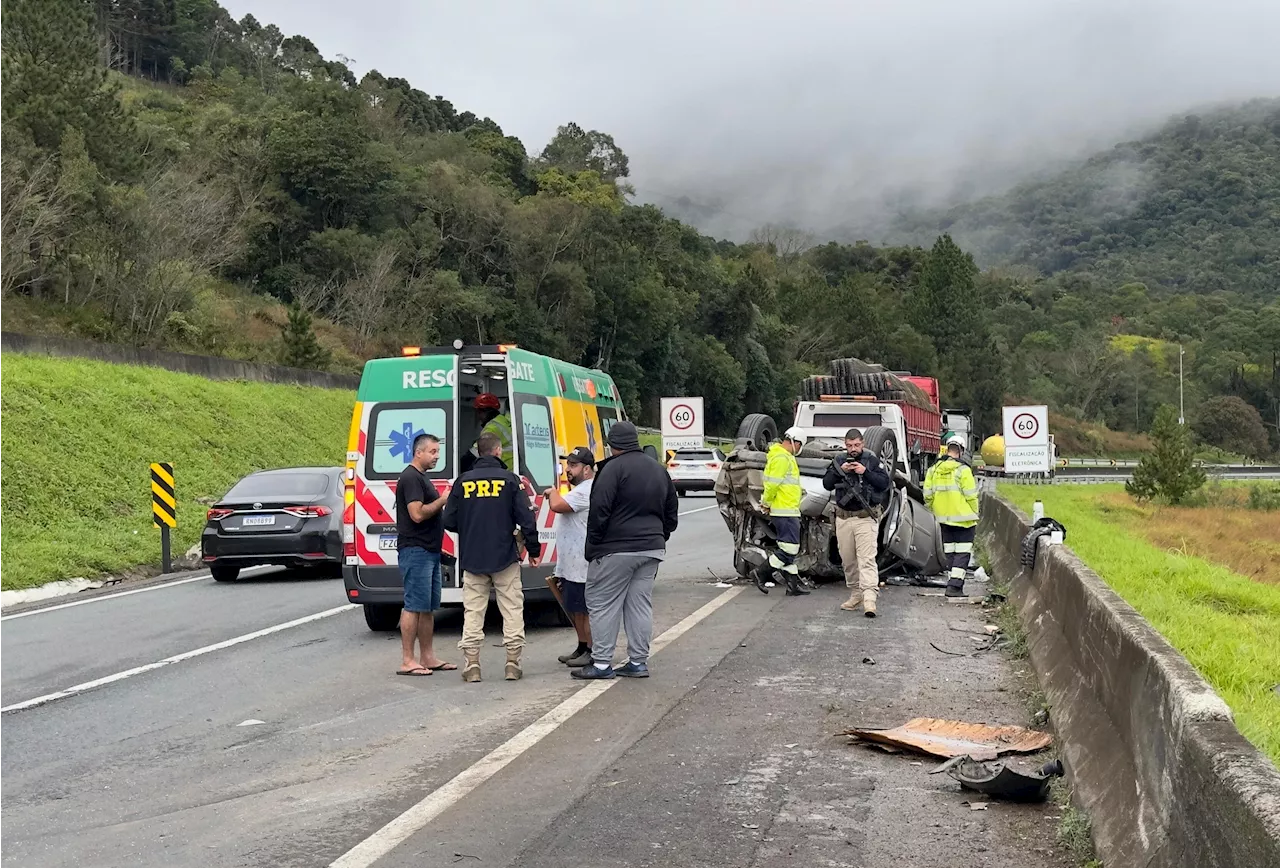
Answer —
855 395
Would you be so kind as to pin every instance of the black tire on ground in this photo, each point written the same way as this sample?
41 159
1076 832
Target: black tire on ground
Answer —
382 617
224 574
759 431
880 440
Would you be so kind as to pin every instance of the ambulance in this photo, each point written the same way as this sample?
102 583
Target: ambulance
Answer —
553 407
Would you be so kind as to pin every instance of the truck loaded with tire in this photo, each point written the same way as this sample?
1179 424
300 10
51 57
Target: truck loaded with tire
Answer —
910 539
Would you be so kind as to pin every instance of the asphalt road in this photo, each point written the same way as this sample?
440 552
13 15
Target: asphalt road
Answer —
725 757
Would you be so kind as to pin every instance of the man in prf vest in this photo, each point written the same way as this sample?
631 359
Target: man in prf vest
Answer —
487 504
952 493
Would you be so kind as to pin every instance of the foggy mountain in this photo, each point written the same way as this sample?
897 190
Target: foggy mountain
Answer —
833 116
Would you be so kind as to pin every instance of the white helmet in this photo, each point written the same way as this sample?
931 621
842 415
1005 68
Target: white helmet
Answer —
956 440
794 435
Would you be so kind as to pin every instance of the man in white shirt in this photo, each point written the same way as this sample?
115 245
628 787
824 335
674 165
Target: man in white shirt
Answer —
571 543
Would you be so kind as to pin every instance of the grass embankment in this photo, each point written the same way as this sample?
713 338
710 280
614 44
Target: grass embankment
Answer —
1227 625
78 435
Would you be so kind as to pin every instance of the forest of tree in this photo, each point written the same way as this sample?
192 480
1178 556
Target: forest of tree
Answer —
159 156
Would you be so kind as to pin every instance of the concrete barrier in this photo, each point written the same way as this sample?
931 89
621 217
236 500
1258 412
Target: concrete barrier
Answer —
210 367
1151 750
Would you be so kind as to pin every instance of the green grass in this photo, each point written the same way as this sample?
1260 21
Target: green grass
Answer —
1225 624
78 435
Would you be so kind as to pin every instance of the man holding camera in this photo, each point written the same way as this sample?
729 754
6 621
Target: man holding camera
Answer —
860 483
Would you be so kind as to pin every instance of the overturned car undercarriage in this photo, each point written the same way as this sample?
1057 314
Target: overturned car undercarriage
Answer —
910 542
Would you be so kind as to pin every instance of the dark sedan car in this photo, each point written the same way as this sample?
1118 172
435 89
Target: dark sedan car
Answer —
291 517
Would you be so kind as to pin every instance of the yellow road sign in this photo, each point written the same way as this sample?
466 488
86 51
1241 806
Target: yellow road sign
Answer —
164 505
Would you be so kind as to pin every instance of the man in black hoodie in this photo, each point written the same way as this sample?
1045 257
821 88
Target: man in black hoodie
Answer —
487 504
632 515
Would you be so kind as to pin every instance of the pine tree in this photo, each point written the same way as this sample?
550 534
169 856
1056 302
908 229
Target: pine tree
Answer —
301 348
1169 470
52 81
947 308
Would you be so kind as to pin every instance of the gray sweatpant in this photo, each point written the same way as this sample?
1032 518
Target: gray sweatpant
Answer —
620 593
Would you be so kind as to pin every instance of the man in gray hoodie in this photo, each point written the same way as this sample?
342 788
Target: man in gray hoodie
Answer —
633 513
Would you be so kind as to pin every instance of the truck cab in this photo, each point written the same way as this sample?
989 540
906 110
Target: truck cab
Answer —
826 422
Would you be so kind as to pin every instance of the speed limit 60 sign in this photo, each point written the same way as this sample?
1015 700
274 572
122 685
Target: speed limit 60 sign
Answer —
1026 439
1026 426
682 423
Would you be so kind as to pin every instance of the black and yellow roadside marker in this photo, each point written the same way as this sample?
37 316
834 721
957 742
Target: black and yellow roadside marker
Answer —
164 507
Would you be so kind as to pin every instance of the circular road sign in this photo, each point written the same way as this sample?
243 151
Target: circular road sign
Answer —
681 417
1025 426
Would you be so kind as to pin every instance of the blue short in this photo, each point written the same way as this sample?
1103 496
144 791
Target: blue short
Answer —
575 596
420 570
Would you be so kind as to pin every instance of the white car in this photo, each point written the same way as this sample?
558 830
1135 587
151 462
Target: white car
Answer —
695 469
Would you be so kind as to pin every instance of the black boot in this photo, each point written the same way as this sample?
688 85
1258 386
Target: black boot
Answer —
955 588
794 589
762 574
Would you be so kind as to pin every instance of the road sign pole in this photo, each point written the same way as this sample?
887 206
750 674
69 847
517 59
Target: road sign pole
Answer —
164 508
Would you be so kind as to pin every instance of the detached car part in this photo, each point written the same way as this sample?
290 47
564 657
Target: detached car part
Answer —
999 780
956 738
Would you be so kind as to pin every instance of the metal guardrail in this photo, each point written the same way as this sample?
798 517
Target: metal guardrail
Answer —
1097 475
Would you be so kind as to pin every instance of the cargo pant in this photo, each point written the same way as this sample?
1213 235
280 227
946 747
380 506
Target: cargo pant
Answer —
957 548
475 603
856 540
784 559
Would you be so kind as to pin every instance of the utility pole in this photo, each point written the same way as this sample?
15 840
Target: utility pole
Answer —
1182 416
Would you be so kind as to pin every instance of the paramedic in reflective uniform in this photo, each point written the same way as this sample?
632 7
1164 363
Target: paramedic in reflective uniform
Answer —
952 493
487 505
494 421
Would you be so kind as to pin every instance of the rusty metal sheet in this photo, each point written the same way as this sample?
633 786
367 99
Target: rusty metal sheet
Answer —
951 738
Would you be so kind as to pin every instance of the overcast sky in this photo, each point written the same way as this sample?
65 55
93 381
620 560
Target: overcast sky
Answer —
812 113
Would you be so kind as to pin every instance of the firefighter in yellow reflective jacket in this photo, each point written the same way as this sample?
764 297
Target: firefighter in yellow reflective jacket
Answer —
497 423
782 494
952 493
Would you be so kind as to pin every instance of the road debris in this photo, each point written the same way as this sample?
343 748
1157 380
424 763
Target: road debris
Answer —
954 738
1000 780
870 661
976 806
253 721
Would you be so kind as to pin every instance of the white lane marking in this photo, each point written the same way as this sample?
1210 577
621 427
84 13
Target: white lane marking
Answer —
699 509
169 661
395 833
99 599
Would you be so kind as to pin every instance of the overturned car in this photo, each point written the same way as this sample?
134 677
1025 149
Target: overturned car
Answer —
910 538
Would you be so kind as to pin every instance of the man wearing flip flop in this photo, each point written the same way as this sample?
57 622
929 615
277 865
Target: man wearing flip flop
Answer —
420 532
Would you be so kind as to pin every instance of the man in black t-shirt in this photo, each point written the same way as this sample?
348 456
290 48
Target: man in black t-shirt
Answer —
420 533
